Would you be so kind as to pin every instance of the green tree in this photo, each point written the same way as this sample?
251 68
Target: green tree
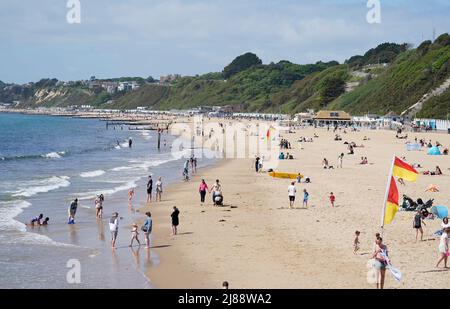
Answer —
331 88
240 64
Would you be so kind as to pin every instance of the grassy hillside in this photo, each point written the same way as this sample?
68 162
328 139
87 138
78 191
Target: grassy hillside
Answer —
305 94
436 106
147 95
251 89
411 75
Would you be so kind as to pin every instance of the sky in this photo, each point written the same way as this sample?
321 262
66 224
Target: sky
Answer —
157 37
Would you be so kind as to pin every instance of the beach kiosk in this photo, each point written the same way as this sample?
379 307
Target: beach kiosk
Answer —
332 118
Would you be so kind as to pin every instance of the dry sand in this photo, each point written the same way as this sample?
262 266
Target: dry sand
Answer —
255 241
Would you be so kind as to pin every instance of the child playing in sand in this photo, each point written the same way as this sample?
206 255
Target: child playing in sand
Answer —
332 199
356 242
134 234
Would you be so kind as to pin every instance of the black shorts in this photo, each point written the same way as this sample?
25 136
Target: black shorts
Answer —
292 198
149 191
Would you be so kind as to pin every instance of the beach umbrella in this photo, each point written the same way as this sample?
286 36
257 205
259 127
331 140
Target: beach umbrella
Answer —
434 151
439 211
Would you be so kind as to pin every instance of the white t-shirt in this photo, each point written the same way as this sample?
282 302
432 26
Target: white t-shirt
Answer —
114 224
292 190
444 226
444 240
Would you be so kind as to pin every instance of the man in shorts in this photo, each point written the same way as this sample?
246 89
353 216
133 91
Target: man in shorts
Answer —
292 191
417 224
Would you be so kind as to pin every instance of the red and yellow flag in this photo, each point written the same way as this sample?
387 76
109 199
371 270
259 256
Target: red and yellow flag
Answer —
391 206
269 132
404 170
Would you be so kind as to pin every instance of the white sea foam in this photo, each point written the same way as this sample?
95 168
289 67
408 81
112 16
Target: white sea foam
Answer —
13 231
121 168
92 174
54 155
42 186
92 194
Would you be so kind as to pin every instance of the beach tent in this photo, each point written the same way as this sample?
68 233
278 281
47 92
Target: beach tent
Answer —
434 151
439 211
413 147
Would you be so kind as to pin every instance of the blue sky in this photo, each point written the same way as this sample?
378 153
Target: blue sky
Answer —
156 37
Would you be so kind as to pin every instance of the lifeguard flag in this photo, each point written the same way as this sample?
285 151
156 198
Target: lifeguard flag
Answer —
391 207
269 132
404 170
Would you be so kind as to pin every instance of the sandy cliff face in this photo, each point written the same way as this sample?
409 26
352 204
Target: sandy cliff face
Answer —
44 95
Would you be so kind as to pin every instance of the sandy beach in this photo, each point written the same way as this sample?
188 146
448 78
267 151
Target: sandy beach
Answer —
255 241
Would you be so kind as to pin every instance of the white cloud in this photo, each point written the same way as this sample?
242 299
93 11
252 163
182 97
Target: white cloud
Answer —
143 37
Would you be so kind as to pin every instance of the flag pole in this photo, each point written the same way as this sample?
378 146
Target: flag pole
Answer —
383 212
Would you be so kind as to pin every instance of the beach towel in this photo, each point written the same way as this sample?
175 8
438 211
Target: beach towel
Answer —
396 273
413 147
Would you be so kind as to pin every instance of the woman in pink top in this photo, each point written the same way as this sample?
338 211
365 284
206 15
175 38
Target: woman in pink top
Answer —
202 189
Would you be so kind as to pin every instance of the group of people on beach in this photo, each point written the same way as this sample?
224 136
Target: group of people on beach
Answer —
158 189
192 162
216 191
292 191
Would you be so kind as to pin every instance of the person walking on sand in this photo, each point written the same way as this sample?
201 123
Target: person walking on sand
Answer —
332 199
291 192
380 261
72 211
443 247
356 242
175 220
159 189
134 234
147 228
149 189
305 198
216 191
417 224
114 229
257 164
202 190
340 159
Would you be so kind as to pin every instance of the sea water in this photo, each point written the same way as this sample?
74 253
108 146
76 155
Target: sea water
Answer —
46 162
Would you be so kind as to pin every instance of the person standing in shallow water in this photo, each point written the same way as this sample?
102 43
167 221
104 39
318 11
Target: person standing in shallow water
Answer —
147 228
72 211
149 189
114 229
159 189
175 220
